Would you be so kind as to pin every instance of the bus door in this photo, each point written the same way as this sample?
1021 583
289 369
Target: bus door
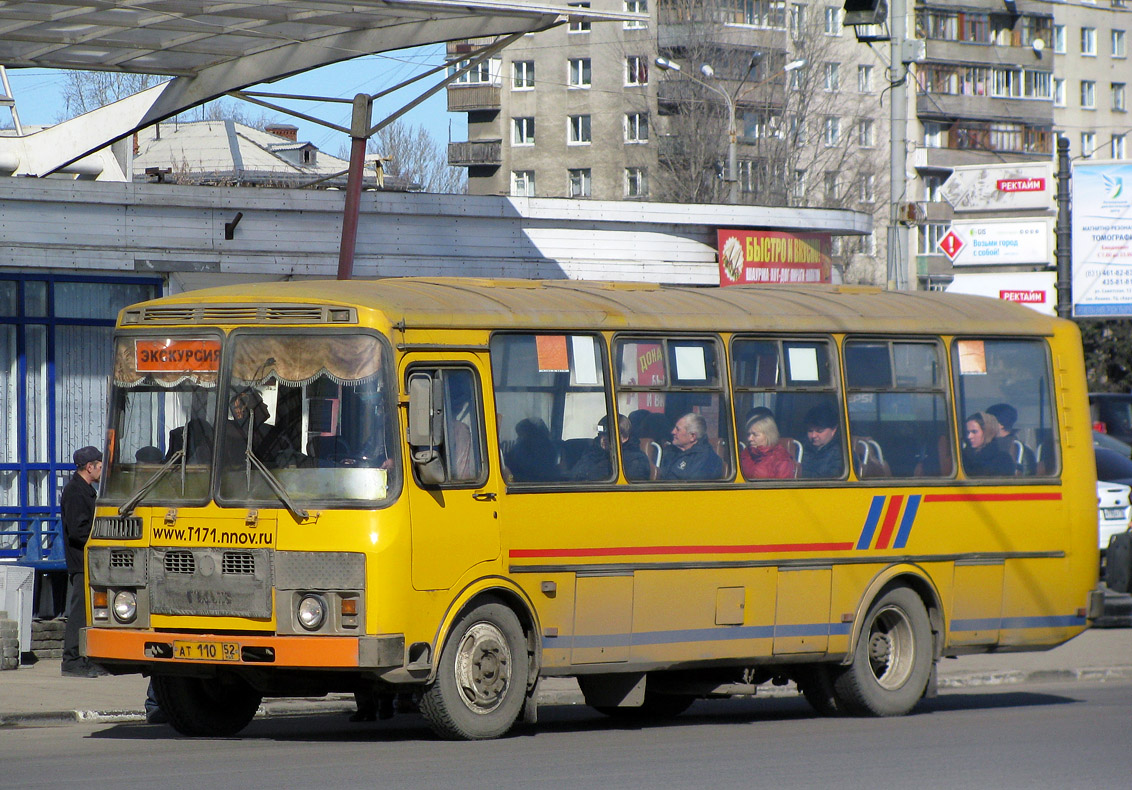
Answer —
452 501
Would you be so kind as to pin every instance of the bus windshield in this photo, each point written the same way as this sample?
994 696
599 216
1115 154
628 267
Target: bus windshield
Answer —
297 417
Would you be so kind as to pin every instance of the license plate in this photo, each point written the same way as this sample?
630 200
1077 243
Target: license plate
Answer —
207 651
1113 512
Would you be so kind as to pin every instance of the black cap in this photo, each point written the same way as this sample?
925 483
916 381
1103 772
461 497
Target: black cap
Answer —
86 455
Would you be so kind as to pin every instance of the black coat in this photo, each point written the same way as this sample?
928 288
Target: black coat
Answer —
77 506
698 462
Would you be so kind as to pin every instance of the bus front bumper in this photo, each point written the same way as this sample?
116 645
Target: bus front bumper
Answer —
114 646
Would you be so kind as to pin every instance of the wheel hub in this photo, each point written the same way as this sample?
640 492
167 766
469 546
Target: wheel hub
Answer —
483 668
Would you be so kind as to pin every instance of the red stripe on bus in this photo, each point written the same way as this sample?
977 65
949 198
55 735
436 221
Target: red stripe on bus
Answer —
1045 497
653 550
890 515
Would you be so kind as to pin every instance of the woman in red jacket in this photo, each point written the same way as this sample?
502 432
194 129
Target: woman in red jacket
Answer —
764 457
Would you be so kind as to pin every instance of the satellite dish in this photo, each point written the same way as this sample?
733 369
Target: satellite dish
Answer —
1038 45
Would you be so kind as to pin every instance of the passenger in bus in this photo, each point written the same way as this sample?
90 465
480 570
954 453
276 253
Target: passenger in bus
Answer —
595 463
1025 462
148 455
764 457
532 458
822 456
198 448
248 428
982 457
691 456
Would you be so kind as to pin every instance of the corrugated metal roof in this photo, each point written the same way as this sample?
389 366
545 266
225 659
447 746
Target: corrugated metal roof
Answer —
556 304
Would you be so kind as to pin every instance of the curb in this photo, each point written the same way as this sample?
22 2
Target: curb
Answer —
306 706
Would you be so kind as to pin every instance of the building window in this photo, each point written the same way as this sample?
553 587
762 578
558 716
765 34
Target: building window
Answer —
868 189
636 7
578 130
794 78
832 131
580 183
1088 144
865 133
933 134
798 189
864 79
797 21
1088 94
1059 39
523 183
1089 41
758 13
933 186
486 72
636 182
833 20
522 75
832 77
1118 150
1118 43
830 184
523 131
1118 97
579 73
579 27
637 127
796 129
636 70
1059 91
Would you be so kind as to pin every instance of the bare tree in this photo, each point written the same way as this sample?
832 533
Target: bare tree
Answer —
84 91
412 153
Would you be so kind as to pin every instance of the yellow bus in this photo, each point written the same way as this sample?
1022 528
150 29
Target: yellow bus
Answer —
451 488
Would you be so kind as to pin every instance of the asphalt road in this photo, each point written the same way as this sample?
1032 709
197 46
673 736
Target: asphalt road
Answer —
1068 735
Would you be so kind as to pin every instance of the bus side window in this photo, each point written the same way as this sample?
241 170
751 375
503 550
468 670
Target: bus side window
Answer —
671 392
898 417
1008 381
552 408
784 387
461 446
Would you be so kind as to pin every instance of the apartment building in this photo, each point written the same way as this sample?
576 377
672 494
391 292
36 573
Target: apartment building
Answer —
586 113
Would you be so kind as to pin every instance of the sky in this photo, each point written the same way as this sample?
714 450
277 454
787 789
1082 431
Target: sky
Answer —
39 102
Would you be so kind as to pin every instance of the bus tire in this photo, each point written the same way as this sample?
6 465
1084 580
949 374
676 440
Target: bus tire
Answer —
219 706
892 660
481 682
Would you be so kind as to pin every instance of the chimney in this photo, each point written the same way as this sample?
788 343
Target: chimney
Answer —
284 130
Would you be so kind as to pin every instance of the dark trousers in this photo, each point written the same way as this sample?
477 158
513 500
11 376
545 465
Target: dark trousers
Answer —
76 620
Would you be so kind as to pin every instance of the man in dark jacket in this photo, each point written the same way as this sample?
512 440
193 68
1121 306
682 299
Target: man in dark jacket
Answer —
78 517
691 456
595 463
822 455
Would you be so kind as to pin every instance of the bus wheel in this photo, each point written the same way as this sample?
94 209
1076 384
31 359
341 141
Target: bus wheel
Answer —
892 660
211 707
481 681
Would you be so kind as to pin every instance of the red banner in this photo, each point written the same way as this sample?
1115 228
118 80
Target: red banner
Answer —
770 256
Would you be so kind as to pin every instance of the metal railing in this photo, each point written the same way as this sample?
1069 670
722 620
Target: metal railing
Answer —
33 540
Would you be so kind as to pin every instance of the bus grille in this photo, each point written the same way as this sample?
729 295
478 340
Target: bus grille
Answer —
121 558
240 314
211 581
180 562
117 528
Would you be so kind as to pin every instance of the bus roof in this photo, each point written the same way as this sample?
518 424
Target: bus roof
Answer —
427 303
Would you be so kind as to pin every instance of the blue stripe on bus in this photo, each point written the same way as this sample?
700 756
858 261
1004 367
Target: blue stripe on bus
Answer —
871 521
906 522
696 635
996 623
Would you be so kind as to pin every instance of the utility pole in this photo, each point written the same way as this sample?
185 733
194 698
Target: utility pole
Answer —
897 247
1064 230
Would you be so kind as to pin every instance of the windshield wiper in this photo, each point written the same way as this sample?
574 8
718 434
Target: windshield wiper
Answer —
132 502
276 486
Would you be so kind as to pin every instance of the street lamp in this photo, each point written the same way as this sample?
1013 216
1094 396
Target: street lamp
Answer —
664 64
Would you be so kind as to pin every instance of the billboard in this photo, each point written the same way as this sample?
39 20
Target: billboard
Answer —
1102 239
1036 290
1005 187
995 242
771 256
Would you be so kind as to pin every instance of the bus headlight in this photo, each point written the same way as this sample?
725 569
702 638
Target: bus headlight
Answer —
125 606
312 612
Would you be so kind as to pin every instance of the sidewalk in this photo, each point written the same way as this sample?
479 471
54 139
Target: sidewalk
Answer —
38 694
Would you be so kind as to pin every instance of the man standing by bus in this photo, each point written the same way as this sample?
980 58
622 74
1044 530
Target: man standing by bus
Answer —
691 456
78 516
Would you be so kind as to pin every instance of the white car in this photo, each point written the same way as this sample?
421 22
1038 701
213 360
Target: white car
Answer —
1113 510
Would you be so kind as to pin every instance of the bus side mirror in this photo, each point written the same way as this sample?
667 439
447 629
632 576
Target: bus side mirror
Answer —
426 426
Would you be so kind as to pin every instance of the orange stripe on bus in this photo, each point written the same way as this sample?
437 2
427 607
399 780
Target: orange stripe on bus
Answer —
290 651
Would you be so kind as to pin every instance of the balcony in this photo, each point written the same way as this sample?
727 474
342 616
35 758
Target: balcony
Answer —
475 152
467 46
468 98
946 106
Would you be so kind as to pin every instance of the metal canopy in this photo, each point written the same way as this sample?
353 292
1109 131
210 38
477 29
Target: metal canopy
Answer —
211 47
